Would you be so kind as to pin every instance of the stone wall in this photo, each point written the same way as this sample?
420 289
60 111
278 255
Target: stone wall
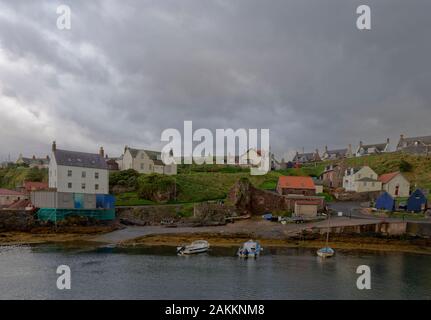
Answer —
385 228
148 215
16 220
356 196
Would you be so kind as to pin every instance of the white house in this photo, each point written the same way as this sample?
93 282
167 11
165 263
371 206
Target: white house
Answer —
362 179
145 161
78 172
368 149
395 184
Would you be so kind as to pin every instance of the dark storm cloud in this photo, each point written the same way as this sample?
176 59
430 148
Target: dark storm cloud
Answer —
129 69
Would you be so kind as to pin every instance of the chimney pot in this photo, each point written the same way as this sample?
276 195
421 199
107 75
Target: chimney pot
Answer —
54 146
101 152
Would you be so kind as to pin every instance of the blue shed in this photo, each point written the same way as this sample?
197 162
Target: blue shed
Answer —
385 202
417 201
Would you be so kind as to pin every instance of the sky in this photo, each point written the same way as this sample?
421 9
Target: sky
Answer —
127 70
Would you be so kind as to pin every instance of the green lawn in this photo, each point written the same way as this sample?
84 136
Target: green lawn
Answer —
131 199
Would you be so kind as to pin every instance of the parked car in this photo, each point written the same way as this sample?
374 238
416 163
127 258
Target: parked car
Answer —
298 219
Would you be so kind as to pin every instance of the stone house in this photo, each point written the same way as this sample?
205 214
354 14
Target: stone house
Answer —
368 149
145 161
395 184
362 179
415 145
310 157
333 175
337 154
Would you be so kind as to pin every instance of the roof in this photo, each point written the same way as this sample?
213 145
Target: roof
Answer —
309 202
385 178
153 155
23 203
293 182
33 185
7 192
412 140
80 159
337 152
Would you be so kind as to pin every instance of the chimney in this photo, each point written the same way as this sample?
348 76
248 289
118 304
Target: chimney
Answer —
34 157
47 157
54 146
125 149
326 148
401 137
387 140
360 143
101 152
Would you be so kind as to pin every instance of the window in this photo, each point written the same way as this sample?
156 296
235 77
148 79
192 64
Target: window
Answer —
69 173
142 166
69 185
83 186
84 174
96 187
96 175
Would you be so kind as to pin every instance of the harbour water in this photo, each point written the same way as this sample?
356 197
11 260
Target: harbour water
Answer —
29 272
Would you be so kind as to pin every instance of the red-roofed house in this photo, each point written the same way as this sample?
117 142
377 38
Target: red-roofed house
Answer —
7 197
395 184
296 185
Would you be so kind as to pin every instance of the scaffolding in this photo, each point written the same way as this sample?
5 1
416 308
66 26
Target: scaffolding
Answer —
55 215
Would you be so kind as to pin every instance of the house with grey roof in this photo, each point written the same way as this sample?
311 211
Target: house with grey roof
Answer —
309 157
78 172
369 149
415 145
33 162
145 161
337 154
361 179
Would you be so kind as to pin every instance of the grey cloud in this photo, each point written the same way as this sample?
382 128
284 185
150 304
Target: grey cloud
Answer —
129 69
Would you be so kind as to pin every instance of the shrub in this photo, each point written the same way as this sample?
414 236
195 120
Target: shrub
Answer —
157 187
405 166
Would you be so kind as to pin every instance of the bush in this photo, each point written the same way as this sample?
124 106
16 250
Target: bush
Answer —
405 166
126 178
157 187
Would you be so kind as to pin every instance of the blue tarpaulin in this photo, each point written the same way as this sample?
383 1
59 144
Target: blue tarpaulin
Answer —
105 201
385 202
417 201
78 199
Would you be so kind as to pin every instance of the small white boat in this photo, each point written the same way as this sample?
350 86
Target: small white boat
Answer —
325 252
250 249
198 246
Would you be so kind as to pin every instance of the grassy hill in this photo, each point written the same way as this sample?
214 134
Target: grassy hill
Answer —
12 177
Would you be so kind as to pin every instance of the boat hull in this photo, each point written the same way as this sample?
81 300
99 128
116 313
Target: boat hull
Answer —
325 252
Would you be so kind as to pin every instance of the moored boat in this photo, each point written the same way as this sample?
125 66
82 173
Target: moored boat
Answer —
198 246
325 252
250 249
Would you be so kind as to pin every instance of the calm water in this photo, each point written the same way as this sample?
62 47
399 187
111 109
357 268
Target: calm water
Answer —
157 273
